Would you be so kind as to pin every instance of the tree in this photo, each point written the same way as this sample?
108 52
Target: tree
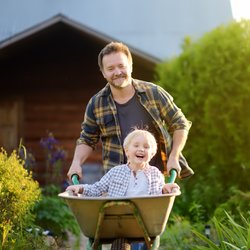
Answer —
210 81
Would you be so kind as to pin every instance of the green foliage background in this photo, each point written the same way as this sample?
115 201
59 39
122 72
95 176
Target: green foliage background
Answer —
210 81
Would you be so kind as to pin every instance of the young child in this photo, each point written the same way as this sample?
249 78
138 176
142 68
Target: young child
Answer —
136 177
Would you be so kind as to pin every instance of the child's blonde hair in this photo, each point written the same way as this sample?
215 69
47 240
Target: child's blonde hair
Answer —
151 139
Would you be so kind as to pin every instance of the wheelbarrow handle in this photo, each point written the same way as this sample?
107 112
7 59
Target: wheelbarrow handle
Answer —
75 179
173 175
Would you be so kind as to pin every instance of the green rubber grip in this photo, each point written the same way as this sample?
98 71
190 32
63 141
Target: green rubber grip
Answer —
75 179
173 175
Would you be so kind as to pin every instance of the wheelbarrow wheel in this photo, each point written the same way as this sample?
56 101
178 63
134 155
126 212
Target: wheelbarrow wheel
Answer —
120 244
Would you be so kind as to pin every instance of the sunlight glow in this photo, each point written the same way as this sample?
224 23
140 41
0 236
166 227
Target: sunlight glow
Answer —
240 9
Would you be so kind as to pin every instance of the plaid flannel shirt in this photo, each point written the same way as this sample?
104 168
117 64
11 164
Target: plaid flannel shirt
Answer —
115 182
101 121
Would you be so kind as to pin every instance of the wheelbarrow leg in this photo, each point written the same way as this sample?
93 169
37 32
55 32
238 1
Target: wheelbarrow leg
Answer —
156 243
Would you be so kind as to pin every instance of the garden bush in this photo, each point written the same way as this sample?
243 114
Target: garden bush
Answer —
53 214
210 82
237 205
178 234
18 195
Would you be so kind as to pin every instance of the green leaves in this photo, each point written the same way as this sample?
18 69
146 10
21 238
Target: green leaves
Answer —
53 214
231 235
18 194
210 83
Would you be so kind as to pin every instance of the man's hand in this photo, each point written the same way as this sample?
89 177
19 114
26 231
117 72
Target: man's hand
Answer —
173 163
82 152
74 169
179 140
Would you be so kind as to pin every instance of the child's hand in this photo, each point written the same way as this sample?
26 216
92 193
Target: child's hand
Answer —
170 188
75 189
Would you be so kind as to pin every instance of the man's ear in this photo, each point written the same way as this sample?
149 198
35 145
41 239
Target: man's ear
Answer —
103 74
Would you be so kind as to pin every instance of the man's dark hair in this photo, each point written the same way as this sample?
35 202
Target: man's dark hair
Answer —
113 47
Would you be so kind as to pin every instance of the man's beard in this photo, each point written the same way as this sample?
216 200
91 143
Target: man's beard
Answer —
125 83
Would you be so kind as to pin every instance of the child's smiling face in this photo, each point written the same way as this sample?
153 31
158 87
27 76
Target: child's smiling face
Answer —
139 151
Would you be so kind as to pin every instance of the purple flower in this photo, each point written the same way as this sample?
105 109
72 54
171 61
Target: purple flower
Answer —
57 155
54 153
48 142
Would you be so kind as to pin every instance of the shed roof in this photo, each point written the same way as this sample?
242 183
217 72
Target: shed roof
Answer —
62 26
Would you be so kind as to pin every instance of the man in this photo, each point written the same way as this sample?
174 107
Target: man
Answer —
125 103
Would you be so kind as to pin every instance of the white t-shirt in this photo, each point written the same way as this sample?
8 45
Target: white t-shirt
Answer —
138 184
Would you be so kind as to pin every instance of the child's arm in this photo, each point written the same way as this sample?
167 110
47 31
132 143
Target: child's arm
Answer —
170 188
95 189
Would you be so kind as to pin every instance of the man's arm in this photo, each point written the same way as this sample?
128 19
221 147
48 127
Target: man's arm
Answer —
82 152
179 141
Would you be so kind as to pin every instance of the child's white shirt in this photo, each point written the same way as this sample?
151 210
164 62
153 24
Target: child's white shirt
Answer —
138 184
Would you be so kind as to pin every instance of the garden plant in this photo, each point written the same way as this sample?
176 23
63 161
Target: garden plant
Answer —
18 195
210 81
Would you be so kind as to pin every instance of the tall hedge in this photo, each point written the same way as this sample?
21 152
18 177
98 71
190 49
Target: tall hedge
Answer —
210 81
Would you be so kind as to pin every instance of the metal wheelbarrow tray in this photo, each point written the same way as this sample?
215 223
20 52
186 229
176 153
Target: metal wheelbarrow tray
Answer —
104 219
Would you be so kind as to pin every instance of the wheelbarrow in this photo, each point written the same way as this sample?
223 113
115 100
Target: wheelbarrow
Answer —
137 219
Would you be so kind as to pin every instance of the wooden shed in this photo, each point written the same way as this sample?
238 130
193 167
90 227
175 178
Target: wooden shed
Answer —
48 73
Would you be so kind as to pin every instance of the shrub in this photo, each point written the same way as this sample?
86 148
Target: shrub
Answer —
18 194
210 82
53 214
178 235
237 205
